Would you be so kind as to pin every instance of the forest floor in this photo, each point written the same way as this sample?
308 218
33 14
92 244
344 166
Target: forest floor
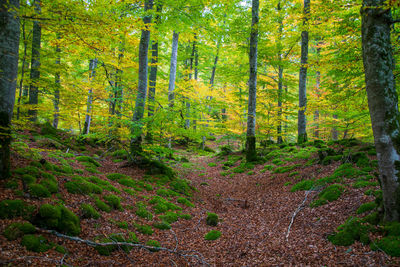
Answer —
262 223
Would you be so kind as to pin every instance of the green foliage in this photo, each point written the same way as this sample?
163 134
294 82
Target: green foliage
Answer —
212 235
28 179
346 170
225 150
278 162
30 170
35 243
353 229
392 228
212 219
284 169
389 244
302 185
161 205
11 184
15 208
144 229
122 225
153 243
269 167
88 159
107 250
184 201
58 218
360 184
120 154
243 167
102 206
366 207
16 230
61 249
88 211
185 216
113 201
142 212
166 192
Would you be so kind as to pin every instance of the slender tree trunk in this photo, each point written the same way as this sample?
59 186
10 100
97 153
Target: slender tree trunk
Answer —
35 65
9 44
172 69
214 69
335 132
251 114
21 81
88 117
196 74
382 100
302 121
56 101
316 112
136 129
280 74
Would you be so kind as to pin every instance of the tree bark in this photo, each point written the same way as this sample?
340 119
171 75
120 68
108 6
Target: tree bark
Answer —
136 129
302 121
280 74
35 65
21 81
251 114
172 69
88 117
57 81
9 44
382 100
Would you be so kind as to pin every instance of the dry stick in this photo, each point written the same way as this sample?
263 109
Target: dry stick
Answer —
299 208
197 254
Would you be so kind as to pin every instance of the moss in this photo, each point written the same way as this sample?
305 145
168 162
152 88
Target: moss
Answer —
212 219
28 179
107 250
212 235
102 206
284 169
16 230
181 186
303 185
130 191
88 211
11 184
50 185
166 192
116 176
372 218
153 243
331 193
212 164
144 229
184 201
169 217
360 184
31 170
161 205
35 243
224 173
122 225
88 159
390 245
243 167
120 154
79 185
278 162
287 183
38 190
346 170
59 218
293 173
61 249
49 176
353 229
142 212
269 167
392 228
98 181
113 201
185 216
162 225
366 207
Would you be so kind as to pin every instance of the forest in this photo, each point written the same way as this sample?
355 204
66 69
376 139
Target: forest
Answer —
199 133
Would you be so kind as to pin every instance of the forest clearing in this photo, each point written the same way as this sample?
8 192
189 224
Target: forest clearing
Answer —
199 133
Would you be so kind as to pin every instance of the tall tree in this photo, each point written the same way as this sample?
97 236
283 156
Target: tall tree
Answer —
35 64
88 117
136 129
172 68
382 100
9 44
57 85
302 121
251 114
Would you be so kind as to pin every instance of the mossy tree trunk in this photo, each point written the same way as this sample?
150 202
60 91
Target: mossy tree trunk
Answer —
9 44
136 129
302 121
251 113
382 100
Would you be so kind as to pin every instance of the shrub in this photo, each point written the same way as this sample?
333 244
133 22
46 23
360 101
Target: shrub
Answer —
35 243
16 230
38 190
88 159
102 206
212 235
212 219
88 211
15 208
303 185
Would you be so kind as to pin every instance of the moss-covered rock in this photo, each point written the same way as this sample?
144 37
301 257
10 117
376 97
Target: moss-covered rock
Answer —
16 230
389 244
142 211
353 229
79 185
38 190
89 212
35 243
212 235
212 219
113 201
15 208
302 185
101 205
366 207
169 217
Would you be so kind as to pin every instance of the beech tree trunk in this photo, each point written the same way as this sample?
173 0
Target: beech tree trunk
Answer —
35 65
382 100
88 117
280 74
172 68
136 129
56 100
21 81
9 44
251 114
302 121
335 132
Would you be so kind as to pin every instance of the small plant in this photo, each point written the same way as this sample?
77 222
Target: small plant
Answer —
212 235
212 219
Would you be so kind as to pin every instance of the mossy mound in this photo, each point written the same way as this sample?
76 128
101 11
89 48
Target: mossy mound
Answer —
144 229
284 169
161 205
89 160
101 205
80 185
392 228
162 225
58 218
36 243
389 244
114 202
15 208
212 219
302 186
116 176
38 190
331 193
169 217
243 167
181 186
185 201
353 229
16 230
142 211
89 212
212 235
366 207
153 243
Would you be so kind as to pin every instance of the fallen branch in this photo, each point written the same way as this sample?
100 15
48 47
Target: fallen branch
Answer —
196 255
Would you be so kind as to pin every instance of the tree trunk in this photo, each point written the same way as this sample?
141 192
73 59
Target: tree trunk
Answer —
317 92
88 117
35 65
280 75
251 114
382 100
21 81
172 69
335 132
9 44
136 129
302 121
56 101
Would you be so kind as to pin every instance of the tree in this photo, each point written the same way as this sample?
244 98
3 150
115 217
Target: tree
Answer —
88 117
302 121
57 85
35 64
251 114
9 44
136 129
382 100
